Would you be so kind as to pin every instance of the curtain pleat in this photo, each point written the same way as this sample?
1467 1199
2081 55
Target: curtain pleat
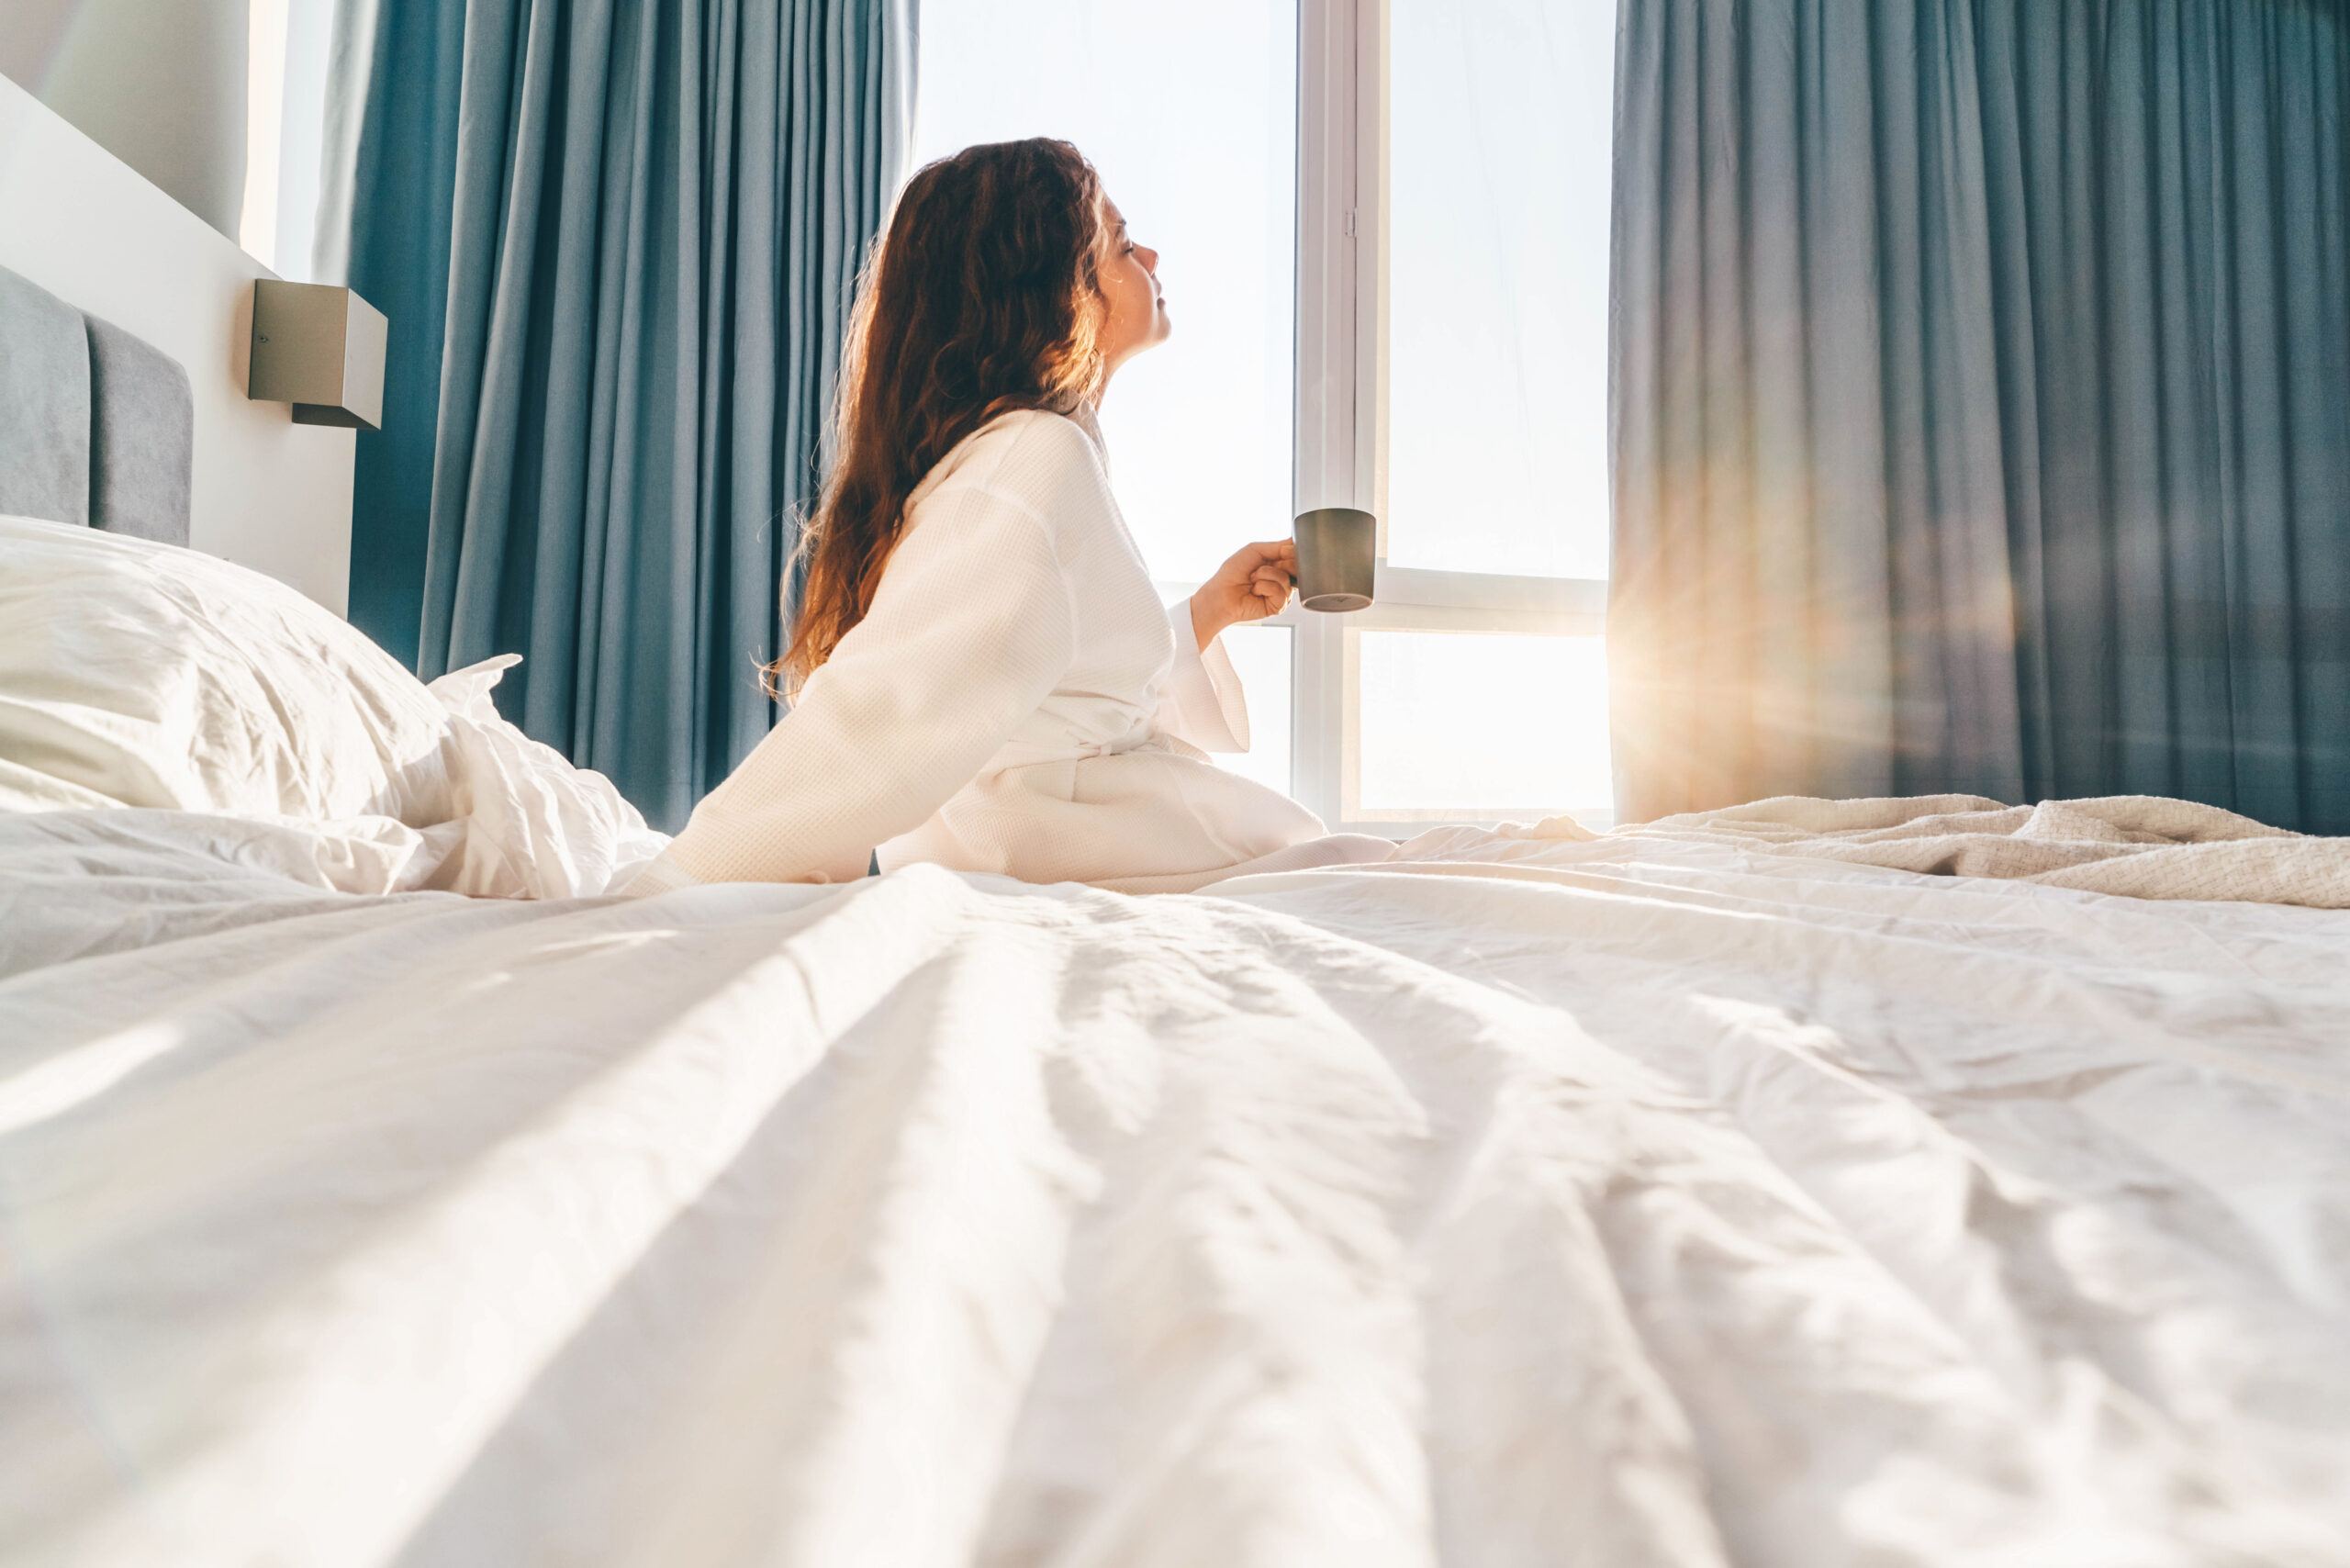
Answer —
618 241
383 229
1980 410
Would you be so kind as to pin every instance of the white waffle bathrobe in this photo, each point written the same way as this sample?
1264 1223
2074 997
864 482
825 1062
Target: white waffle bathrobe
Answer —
1017 700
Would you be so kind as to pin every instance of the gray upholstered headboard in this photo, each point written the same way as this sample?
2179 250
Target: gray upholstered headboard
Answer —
96 426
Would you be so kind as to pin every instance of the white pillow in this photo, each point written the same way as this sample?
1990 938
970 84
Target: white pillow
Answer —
147 674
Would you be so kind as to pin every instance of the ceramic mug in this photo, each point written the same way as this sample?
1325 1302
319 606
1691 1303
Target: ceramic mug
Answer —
1336 547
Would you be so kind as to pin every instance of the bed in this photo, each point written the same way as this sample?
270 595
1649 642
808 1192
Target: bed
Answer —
1816 1184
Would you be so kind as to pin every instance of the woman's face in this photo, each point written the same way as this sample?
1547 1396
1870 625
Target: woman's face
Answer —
1136 314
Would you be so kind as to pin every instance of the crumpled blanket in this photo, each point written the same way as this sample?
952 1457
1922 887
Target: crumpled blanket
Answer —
1636 1203
2137 845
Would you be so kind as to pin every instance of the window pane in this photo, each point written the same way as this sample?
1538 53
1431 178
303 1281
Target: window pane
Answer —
1482 725
1189 113
1261 655
1502 117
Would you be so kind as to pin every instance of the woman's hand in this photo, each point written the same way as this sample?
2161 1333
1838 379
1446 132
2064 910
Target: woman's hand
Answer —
1255 582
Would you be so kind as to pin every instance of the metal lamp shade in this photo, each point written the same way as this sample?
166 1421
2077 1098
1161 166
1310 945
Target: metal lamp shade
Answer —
322 349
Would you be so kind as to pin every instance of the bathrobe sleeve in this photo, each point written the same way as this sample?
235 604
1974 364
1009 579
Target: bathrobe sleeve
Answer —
970 629
1203 703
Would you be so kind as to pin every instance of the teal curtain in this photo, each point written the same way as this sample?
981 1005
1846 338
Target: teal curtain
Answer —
1981 393
390 171
618 241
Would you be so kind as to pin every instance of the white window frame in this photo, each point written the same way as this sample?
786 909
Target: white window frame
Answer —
1341 428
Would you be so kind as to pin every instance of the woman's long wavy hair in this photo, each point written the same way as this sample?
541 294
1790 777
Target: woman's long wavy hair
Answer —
982 297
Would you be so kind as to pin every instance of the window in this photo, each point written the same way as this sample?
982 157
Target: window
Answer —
1476 689
1423 754
1502 116
1265 656
287 68
1188 112
1383 231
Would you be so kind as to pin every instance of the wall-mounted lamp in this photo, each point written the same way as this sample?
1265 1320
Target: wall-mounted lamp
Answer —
319 348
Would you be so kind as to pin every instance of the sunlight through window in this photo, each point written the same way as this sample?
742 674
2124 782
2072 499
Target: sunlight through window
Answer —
1189 113
1262 656
1476 687
1486 724
1501 142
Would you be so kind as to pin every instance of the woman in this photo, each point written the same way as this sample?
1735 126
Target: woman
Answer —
983 675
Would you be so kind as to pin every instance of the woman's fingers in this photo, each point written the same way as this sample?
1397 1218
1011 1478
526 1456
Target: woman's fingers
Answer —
1248 558
1256 582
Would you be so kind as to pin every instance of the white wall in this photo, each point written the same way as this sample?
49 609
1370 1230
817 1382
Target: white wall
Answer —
161 85
75 219
29 31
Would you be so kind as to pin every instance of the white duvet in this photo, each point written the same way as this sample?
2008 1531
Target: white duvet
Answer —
1637 1202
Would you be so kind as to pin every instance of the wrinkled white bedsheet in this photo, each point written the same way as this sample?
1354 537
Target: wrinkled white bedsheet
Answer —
2141 846
1615 1203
